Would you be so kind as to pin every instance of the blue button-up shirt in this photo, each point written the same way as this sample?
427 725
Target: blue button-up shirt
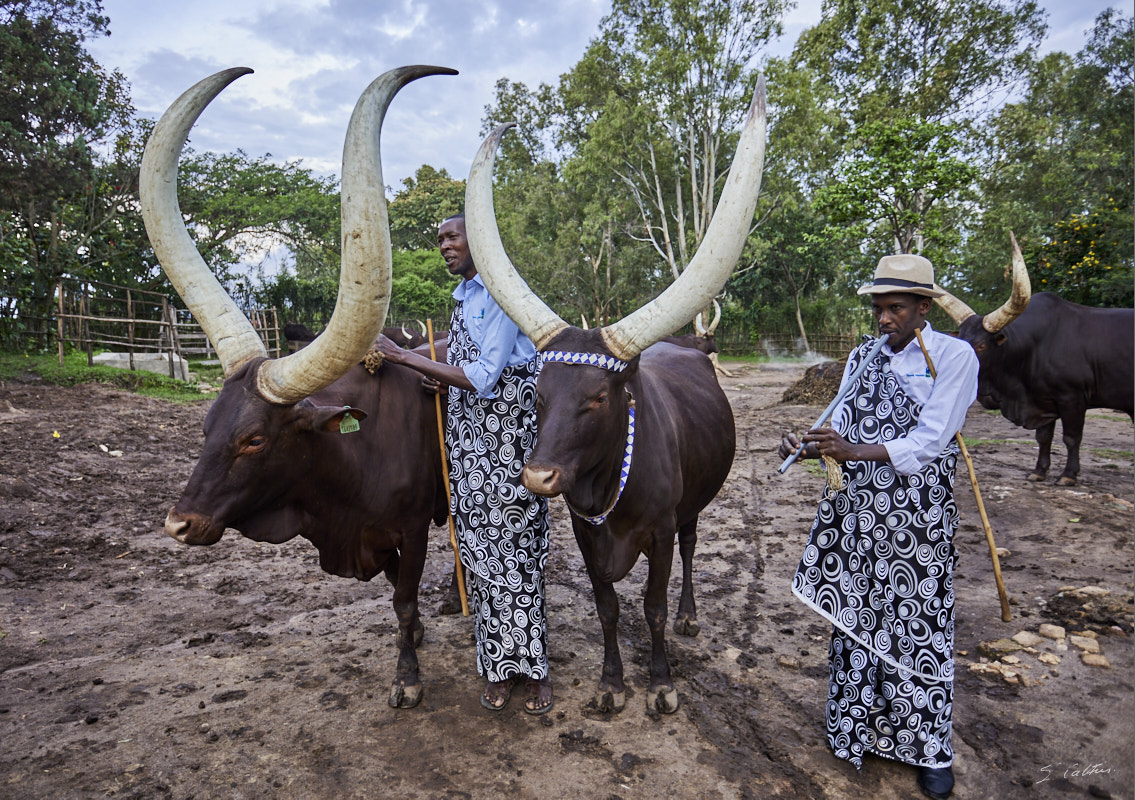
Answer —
499 341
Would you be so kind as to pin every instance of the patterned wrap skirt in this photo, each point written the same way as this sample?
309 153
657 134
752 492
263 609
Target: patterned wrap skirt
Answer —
879 565
502 528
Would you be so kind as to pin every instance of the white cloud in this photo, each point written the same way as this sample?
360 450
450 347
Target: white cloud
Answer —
312 59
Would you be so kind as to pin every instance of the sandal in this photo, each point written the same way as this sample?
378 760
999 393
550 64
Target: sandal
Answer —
498 691
540 699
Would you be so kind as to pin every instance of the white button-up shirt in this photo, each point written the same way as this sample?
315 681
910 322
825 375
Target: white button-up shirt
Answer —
944 400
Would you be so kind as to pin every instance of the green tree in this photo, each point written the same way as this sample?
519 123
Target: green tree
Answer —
930 60
421 205
900 176
912 80
241 208
59 104
1059 176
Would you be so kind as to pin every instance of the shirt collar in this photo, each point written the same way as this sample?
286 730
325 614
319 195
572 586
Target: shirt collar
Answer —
463 287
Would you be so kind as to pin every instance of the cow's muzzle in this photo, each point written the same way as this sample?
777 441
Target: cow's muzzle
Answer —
192 528
544 481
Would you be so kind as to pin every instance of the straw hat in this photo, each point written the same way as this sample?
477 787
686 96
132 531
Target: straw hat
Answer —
906 273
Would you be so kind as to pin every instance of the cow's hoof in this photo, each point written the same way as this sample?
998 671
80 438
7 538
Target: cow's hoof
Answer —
450 604
686 625
663 700
1036 477
1064 480
419 633
402 696
609 701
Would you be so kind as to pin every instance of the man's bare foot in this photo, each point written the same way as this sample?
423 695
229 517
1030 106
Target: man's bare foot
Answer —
539 698
496 695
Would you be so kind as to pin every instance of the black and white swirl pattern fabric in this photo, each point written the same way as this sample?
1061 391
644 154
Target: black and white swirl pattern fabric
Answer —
502 528
879 565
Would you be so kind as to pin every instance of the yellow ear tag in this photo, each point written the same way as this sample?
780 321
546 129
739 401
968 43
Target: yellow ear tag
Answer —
348 424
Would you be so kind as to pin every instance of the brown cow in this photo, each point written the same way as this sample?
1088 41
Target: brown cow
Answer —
310 444
611 407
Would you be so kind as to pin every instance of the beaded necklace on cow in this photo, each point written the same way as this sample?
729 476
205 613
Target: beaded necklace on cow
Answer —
613 365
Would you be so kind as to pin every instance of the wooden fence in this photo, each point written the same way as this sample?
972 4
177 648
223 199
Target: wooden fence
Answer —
748 343
93 314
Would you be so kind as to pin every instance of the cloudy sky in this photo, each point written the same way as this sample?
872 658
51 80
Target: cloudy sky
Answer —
312 59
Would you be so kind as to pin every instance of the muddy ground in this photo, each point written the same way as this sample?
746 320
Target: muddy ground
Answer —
132 666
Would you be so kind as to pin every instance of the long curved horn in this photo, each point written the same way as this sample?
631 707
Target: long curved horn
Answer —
364 284
364 276
1019 297
717 255
699 326
716 318
531 314
959 312
232 335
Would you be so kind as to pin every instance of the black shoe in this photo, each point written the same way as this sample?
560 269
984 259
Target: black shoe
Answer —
937 783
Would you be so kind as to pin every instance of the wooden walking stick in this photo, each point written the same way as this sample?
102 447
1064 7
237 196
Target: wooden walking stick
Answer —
458 574
977 494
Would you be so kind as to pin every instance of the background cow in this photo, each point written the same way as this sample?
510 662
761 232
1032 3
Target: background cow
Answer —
680 438
1045 359
299 336
311 444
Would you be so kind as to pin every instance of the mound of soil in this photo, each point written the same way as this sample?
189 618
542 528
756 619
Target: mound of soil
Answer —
818 386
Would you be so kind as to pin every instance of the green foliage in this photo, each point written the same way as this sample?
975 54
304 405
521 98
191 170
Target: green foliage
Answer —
76 371
902 175
309 300
1062 161
421 287
1088 260
58 105
421 205
930 60
241 208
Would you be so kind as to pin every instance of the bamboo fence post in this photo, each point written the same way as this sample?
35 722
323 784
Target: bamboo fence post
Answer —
59 323
83 324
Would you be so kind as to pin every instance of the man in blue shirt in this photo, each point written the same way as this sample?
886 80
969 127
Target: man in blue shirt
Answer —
502 528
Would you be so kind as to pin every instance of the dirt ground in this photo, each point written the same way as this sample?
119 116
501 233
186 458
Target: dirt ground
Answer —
132 666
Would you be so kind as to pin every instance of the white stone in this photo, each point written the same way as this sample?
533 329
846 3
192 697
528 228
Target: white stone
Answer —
150 362
1085 644
1026 639
1051 631
1095 660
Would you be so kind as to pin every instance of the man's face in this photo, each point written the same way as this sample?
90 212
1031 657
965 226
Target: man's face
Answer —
899 315
454 248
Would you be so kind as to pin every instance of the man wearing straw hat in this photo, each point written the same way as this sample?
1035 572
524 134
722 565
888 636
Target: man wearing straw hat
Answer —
502 528
879 562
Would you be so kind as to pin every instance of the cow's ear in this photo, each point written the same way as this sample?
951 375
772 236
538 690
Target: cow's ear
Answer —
999 338
331 419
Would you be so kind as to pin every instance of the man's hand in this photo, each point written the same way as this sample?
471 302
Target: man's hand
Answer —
789 444
430 385
390 351
829 443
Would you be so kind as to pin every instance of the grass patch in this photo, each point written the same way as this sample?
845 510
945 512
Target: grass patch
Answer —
1109 417
972 443
1117 455
75 371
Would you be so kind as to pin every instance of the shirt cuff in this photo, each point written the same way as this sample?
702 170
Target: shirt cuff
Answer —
479 377
902 457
